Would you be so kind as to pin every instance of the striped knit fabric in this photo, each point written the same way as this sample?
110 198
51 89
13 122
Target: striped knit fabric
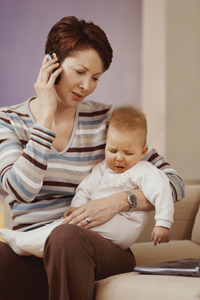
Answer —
1 216
41 180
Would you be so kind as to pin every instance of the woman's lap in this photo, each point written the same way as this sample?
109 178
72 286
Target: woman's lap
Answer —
83 256
74 258
21 277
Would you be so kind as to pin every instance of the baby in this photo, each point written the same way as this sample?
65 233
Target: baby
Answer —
122 170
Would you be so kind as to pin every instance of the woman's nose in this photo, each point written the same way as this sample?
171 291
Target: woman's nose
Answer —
84 85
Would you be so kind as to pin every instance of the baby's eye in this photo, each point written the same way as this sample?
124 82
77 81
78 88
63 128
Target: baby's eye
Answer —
128 153
113 151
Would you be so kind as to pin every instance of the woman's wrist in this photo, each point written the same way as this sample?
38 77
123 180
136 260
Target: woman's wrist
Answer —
124 206
46 120
122 202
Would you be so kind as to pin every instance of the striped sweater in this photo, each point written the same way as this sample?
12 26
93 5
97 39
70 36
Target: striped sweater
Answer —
43 181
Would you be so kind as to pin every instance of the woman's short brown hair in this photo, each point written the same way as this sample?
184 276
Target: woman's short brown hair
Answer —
70 34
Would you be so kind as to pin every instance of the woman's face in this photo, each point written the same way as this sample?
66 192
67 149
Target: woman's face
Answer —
79 77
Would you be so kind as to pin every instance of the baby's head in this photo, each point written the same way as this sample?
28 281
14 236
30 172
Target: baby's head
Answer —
126 138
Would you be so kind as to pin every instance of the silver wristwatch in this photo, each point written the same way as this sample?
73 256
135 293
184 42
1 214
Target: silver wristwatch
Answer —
132 200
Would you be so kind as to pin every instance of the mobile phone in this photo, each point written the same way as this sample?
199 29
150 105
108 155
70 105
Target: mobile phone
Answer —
59 76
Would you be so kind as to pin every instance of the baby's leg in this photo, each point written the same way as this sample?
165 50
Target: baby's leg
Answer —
122 230
9 237
30 242
33 241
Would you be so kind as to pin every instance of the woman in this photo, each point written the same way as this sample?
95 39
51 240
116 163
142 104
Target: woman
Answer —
48 145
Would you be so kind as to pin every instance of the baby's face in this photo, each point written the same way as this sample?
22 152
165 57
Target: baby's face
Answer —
123 149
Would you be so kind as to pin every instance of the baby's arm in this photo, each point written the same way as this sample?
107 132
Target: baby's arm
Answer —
156 188
160 235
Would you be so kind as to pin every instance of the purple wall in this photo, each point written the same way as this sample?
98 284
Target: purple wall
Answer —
25 25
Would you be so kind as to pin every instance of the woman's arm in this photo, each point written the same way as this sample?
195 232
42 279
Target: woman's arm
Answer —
24 151
22 169
102 210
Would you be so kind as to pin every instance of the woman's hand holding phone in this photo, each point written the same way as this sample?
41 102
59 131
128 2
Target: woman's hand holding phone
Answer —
49 57
45 89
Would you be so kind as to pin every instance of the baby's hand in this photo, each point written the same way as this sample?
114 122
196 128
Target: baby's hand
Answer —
160 235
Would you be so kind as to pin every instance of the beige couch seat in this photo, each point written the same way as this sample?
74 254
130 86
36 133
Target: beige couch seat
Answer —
148 287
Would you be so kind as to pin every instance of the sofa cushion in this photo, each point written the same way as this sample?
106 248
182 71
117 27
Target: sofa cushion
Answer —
196 229
147 253
131 286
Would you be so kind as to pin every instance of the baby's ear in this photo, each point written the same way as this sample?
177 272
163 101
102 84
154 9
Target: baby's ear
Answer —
144 151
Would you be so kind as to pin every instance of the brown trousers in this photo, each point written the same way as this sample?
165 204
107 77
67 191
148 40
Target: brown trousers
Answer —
74 258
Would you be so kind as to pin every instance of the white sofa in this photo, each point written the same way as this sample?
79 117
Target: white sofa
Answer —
185 243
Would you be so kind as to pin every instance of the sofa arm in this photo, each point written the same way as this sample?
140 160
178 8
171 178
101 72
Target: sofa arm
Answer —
185 213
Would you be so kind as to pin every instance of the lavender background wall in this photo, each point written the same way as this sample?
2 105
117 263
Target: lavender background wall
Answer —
25 24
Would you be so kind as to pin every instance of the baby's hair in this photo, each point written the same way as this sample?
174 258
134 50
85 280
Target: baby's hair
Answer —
129 118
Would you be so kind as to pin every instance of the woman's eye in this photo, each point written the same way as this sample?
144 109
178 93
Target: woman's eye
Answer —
96 79
79 72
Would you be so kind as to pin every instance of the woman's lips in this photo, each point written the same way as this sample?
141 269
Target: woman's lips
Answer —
77 96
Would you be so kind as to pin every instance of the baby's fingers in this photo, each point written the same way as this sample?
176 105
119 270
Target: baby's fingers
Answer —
154 238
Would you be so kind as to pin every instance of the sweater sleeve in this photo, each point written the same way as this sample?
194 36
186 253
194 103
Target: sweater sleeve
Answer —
23 165
176 182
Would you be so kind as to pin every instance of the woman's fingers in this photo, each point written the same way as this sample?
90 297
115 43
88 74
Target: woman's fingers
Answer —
74 215
94 213
44 85
46 70
91 214
52 77
45 64
47 67
69 211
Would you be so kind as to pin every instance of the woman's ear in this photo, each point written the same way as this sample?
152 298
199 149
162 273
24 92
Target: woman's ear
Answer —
144 151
